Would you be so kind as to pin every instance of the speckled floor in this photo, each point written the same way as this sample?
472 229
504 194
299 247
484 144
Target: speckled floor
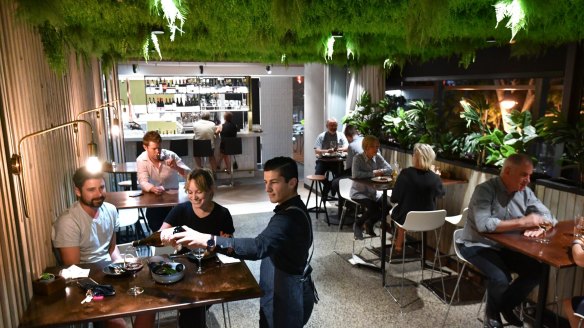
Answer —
350 296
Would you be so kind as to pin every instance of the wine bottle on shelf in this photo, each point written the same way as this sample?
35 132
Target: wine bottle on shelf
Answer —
154 239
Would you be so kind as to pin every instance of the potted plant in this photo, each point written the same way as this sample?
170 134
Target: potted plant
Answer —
46 277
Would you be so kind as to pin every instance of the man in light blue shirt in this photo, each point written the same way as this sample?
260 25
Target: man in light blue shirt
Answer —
500 205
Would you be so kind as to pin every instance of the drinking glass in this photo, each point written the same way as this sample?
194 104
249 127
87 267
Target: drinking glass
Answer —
579 226
131 255
333 145
546 225
199 253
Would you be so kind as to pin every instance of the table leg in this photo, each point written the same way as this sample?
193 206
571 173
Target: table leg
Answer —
383 235
542 295
134 177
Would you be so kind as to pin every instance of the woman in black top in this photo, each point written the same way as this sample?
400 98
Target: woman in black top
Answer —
203 214
228 130
416 189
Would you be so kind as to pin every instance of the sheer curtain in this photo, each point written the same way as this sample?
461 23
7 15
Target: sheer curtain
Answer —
367 78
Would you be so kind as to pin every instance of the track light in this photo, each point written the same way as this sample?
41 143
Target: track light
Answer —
269 69
201 69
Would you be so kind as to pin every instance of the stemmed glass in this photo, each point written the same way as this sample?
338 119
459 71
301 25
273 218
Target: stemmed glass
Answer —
199 253
333 145
130 256
546 225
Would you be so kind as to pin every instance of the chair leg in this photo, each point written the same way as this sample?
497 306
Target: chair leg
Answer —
340 225
453 293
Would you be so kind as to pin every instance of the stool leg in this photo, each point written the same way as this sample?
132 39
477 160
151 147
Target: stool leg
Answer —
309 193
318 186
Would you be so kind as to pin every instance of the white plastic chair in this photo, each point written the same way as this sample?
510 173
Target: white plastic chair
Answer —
458 220
345 192
416 221
128 219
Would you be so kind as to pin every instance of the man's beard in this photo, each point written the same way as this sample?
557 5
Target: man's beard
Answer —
95 202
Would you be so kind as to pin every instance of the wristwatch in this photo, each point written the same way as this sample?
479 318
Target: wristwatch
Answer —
211 242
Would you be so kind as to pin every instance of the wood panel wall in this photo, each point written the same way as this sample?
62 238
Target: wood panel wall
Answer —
33 97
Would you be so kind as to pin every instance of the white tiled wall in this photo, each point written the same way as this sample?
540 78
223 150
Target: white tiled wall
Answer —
276 116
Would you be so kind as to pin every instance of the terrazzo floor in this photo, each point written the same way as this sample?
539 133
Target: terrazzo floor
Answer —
350 296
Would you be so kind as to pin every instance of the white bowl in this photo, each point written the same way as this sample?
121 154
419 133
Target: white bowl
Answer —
168 278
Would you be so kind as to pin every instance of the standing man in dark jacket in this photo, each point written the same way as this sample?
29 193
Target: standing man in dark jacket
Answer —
283 247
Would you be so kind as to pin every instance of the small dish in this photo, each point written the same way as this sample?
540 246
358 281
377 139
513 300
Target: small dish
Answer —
381 179
167 272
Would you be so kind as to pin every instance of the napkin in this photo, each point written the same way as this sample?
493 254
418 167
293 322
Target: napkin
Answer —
227 259
74 272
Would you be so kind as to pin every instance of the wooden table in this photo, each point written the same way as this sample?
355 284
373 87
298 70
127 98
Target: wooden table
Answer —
218 283
123 168
139 199
556 254
384 187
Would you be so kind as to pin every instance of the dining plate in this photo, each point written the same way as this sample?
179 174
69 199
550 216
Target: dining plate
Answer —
118 268
381 179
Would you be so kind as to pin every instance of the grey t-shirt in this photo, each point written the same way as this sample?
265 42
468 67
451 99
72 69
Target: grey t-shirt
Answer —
75 228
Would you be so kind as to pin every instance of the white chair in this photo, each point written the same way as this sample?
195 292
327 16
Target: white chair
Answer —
416 221
128 219
465 262
345 192
458 220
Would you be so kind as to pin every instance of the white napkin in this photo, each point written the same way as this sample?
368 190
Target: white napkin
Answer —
74 272
227 259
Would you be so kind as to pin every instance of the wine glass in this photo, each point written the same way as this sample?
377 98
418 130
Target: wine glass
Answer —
333 145
546 225
199 253
130 257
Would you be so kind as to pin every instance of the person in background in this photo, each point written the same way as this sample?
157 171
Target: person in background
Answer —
283 246
329 142
205 129
499 205
368 164
158 170
202 214
227 130
355 147
86 232
415 189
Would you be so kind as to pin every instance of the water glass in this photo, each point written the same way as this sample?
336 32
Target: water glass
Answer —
579 226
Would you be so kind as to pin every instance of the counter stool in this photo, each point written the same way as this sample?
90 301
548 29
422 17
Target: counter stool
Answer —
139 148
232 147
416 221
318 180
203 148
129 220
345 193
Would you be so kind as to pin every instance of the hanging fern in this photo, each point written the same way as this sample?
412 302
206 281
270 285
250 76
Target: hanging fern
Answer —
514 10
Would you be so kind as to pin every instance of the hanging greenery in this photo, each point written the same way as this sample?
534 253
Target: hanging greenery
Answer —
263 30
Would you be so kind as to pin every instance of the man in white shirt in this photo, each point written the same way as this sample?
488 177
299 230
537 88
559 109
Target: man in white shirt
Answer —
158 171
329 142
205 129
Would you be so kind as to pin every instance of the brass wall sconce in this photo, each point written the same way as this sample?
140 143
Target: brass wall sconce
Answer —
115 126
16 167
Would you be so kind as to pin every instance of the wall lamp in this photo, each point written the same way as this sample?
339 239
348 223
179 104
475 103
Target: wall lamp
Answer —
16 167
269 69
115 126
201 70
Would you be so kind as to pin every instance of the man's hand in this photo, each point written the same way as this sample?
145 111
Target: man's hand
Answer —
189 238
532 220
535 232
171 162
157 190
377 173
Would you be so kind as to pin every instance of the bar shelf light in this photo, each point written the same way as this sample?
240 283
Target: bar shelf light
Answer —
92 162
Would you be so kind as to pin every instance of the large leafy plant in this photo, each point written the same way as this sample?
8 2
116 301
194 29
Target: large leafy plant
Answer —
556 130
501 145
368 117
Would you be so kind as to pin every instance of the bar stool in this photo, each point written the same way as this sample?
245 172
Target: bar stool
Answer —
416 221
345 193
128 219
139 148
232 147
180 147
318 180
203 148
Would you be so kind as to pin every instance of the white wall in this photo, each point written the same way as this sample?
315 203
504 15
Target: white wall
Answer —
276 116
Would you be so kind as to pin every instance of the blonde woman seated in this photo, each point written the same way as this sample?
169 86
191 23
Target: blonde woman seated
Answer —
416 189
200 213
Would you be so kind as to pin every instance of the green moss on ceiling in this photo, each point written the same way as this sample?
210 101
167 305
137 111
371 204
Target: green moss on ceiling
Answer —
262 31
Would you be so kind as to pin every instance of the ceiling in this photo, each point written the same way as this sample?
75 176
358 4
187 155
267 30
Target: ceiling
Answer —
296 31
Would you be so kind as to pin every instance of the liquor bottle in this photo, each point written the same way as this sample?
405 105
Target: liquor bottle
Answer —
154 239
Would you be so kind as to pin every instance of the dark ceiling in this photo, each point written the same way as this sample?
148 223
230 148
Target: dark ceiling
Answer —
296 31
